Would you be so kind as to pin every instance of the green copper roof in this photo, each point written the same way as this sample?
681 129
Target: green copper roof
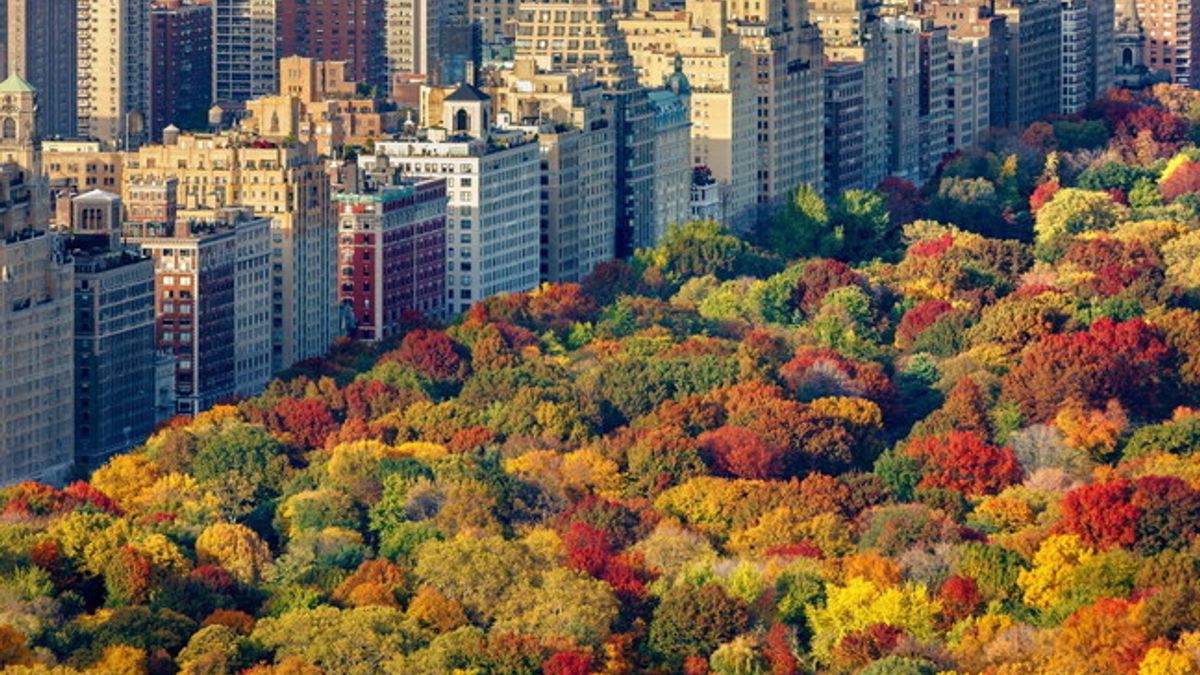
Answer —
15 84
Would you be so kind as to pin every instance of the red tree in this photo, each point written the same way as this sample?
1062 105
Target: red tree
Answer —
1184 180
917 319
960 598
572 662
1169 513
1102 514
1127 361
778 650
588 549
1042 194
820 277
432 353
306 421
738 451
964 462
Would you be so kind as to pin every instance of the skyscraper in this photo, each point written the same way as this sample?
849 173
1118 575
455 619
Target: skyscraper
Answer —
41 37
244 49
1172 29
1034 59
114 71
181 68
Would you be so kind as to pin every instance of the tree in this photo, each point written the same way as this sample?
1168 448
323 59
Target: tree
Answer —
964 462
431 353
356 641
563 605
236 548
861 604
969 203
802 226
694 620
863 228
305 422
737 451
242 451
1072 211
1102 514
1127 361
476 572
1183 179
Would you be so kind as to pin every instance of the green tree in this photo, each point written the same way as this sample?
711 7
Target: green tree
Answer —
694 620
802 227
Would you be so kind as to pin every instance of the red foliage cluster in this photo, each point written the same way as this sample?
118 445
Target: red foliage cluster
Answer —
959 598
1184 180
917 319
573 662
818 279
738 451
932 248
813 373
591 551
304 421
1116 264
1127 361
1043 194
1153 512
962 461
860 647
431 353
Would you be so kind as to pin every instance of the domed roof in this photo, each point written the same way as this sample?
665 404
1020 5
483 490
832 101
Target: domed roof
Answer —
677 82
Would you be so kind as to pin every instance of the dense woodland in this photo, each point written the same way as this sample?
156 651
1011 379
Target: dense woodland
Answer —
912 430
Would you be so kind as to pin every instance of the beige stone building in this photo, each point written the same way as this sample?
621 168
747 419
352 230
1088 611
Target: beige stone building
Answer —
36 311
114 71
282 181
851 32
41 49
724 101
570 117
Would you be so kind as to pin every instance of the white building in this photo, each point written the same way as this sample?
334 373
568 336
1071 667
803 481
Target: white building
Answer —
672 156
492 177
252 308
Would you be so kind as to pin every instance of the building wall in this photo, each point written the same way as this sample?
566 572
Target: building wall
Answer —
41 38
1035 66
181 70
244 49
114 354
672 160
114 71
844 127
1172 29
970 80
336 30
1077 52
493 222
252 311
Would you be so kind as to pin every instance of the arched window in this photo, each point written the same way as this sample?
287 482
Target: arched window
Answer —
1127 57
274 123
10 129
462 121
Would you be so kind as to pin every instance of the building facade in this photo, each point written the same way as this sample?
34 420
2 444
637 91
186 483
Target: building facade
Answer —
1172 39
351 31
37 328
568 113
492 176
41 38
114 333
181 66
844 127
244 50
280 181
113 56
201 301
392 255
1034 29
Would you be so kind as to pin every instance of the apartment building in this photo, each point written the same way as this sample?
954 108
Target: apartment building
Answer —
113 85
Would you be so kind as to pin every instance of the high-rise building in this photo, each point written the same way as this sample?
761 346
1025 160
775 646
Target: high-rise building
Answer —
114 71
724 101
284 182
497 19
1103 20
244 49
427 37
392 253
1034 59
672 152
903 97
114 332
973 22
568 114
41 38
211 289
36 319
1172 31
787 53
492 177
851 32
181 65
602 48
934 100
36 342
969 91
336 30
844 126
1077 67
